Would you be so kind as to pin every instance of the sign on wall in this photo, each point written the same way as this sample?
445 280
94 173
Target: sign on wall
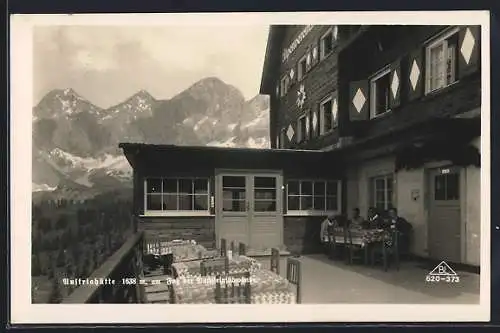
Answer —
296 42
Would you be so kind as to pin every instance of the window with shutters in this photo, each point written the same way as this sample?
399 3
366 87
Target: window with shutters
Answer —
285 83
441 61
301 129
326 119
380 89
326 44
302 68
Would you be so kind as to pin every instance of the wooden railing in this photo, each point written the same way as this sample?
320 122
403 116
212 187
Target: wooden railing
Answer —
117 278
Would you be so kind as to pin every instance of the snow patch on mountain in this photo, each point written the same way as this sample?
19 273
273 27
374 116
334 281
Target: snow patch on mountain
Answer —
42 187
200 122
227 143
106 161
258 143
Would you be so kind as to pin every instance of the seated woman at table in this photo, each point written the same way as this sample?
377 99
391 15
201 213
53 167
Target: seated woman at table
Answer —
375 221
327 229
356 221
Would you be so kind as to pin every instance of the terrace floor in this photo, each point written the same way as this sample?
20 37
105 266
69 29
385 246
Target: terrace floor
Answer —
325 281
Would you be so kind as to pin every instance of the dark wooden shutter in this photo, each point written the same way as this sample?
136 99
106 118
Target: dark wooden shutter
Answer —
395 84
416 74
469 39
359 100
317 131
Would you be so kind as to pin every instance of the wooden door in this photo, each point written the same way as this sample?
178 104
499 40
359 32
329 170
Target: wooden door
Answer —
444 223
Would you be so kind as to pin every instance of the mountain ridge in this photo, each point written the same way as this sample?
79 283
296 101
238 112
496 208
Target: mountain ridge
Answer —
75 142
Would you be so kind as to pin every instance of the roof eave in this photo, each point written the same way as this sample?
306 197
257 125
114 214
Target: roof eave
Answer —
272 39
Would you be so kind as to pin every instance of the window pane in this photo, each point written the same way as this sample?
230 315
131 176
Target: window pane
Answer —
439 188
382 94
389 183
153 185
233 205
332 188
452 187
319 188
265 182
185 186
170 202
233 181
185 202
380 196
293 203
306 188
200 186
331 203
169 185
327 44
379 184
234 194
201 202
153 202
293 188
265 205
319 202
306 203
265 194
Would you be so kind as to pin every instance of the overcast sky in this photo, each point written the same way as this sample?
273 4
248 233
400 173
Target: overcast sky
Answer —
108 64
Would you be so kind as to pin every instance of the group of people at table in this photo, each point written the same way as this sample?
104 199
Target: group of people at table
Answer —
385 226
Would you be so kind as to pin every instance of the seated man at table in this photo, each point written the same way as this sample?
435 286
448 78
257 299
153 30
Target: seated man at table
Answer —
375 221
404 228
327 229
356 221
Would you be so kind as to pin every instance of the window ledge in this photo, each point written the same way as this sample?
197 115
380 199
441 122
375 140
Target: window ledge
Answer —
176 214
311 213
382 115
435 92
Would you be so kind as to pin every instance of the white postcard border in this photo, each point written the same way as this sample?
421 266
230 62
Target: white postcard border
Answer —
23 312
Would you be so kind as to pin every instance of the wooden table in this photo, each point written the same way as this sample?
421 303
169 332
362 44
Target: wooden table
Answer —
237 264
362 237
185 251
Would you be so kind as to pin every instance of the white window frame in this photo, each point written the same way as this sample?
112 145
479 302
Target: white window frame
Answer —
284 85
322 54
371 186
300 74
440 40
301 136
322 111
313 212
373 92
174 213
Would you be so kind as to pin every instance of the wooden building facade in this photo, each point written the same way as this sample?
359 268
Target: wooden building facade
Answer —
243 195
400 108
